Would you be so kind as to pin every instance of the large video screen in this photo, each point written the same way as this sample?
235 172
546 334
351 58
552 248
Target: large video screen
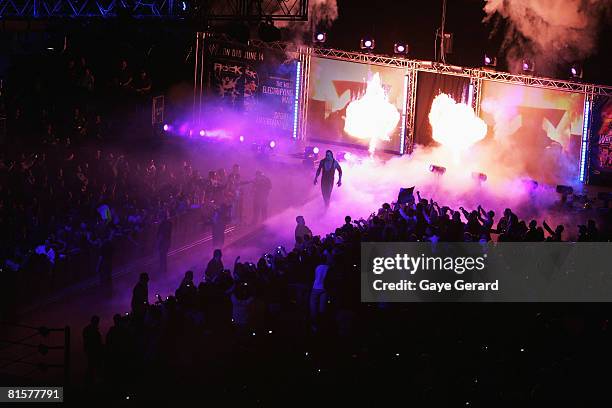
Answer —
536 129
333 85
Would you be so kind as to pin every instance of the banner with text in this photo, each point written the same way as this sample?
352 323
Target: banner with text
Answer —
601 141
255 83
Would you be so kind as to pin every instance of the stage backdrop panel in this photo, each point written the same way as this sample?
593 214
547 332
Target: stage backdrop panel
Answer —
538 129
601 141
430 85
256 84
333 85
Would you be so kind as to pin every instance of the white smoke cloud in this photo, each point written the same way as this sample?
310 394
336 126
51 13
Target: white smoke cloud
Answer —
323 12
366 184
321 15
552 32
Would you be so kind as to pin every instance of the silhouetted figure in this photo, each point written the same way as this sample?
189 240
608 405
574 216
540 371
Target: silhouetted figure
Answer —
262 186
502 224
532 234
456 228
142 85
556 235
236 193
117 353
124 77
186 292
318 295
164 237
301 231
140 295
592 233
215 267
92 344
243 306
487 222
328 167
348 227
219 221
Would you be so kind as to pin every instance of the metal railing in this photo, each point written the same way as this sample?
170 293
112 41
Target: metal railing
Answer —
28 353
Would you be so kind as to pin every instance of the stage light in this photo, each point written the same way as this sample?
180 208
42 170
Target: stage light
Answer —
585 141
576 71
296 101
319 38
480 177
272 144
367 43
490 61
400 48
166 127
437 169
202 132
528 65
344 156
311 151
241 139
448 43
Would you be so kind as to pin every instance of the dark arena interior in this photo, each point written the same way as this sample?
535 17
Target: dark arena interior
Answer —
324 202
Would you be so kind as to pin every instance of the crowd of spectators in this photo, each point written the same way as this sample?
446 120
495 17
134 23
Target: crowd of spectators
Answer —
294 321
290 325
65 100
70 185
68 200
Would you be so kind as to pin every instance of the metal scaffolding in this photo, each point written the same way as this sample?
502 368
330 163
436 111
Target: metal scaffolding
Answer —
45 9
201 10
286 10
479 73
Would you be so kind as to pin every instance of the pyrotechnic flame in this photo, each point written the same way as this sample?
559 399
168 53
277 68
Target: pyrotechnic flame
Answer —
455 125
372 117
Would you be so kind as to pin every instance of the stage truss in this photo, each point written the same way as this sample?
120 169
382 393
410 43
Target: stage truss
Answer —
412 67
284 10
199 10
45 9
